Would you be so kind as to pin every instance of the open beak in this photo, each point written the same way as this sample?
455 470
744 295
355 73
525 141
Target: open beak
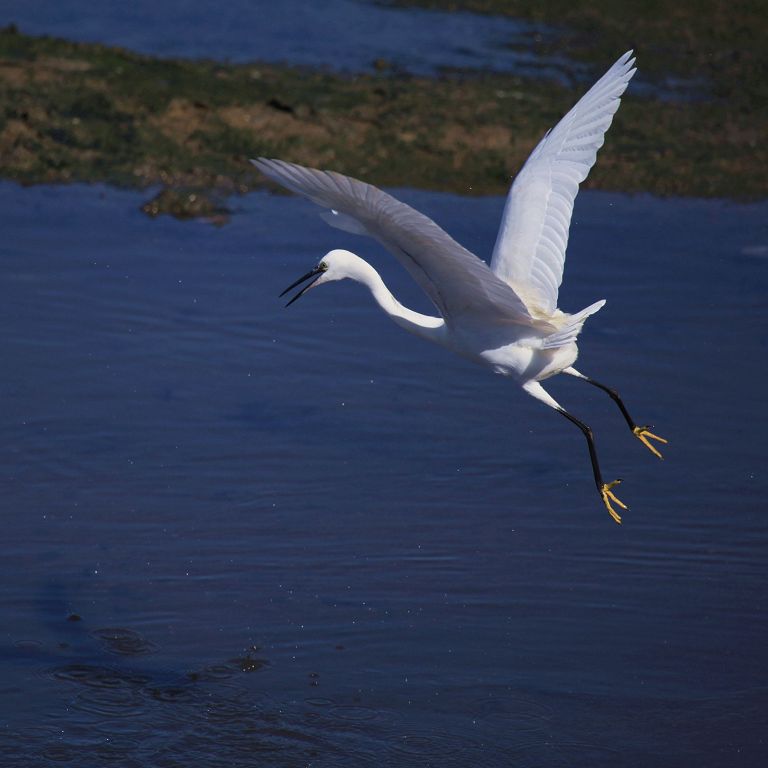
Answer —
314 273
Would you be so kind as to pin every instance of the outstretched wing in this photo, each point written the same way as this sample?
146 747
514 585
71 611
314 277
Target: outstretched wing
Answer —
456 281
530 247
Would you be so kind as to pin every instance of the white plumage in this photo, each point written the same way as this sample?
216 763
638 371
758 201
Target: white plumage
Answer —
503 316
530 247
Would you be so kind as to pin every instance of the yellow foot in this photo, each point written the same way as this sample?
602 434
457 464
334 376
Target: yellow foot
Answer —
642 434
607 495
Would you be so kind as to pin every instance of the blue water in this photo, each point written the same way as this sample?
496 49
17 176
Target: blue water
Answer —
412 545
346 35
238 535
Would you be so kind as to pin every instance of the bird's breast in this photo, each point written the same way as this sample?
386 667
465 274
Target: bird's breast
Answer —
527 363
521 359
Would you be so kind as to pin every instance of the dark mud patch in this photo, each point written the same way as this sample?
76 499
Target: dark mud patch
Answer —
88 112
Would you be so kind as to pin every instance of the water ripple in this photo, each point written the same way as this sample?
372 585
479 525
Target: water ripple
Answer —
212 672
443 748
110 702
124 642
98 677
514 715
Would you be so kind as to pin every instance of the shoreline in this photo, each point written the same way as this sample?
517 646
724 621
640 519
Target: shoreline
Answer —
89 112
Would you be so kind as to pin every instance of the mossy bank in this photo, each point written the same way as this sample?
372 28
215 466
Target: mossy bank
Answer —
87 112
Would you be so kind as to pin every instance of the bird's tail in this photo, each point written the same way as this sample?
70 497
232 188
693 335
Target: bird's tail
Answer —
573 325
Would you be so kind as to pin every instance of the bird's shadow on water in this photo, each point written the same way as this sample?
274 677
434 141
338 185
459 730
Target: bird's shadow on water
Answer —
115 705
122 707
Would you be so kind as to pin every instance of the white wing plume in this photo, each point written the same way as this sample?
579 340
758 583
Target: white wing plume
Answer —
530 248
457 281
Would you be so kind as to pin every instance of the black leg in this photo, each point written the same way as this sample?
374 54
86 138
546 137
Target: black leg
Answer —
604 489
587 432
614 395
641 433
535 389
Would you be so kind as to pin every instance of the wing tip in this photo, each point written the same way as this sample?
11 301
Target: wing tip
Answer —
627 63
265 165
626 59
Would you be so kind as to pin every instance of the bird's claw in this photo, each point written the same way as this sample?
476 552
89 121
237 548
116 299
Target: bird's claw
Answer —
607 496
643 433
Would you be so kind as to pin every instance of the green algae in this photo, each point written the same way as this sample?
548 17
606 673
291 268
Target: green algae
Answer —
88 112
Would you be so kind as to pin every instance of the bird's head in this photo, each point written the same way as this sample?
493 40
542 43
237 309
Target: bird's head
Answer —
335 265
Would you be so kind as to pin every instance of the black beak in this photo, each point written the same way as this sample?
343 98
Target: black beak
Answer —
316 272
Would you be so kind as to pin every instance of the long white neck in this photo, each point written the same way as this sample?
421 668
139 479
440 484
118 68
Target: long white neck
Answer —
426 326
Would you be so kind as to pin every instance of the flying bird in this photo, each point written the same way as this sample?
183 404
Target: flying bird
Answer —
503 316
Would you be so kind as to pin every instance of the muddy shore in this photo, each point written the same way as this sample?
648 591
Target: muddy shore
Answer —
88 112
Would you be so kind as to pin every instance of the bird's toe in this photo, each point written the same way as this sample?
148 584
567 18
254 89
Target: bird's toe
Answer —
609 498
644 435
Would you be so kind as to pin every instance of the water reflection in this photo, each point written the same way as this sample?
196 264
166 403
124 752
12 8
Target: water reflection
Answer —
342 35
302 537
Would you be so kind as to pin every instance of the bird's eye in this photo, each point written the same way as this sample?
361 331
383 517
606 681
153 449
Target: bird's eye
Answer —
323 266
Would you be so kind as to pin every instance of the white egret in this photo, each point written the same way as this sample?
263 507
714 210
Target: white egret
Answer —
503 316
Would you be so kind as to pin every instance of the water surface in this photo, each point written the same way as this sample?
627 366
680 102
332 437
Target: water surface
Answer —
302 537
342 35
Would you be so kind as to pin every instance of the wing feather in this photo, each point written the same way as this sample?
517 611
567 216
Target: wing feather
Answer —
457 281
530 248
